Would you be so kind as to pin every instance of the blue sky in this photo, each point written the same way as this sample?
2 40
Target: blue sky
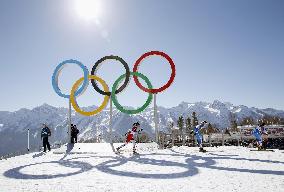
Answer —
230 50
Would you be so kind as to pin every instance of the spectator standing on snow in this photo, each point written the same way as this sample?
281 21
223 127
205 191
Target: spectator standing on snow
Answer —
74 133
45 133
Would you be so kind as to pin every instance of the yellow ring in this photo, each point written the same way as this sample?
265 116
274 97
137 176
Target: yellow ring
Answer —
73 98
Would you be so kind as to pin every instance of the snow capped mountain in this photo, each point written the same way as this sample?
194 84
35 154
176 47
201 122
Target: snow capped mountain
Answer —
14 125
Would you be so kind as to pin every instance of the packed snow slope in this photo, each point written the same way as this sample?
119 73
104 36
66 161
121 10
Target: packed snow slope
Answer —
94 167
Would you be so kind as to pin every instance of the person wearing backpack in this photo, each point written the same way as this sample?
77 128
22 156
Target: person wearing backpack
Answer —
74 133
45 133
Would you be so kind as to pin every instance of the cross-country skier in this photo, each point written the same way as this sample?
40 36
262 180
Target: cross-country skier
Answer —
264 132
130 136
198 135
257 133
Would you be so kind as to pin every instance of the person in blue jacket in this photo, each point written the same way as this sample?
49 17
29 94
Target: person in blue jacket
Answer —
198 135
257 133
45 133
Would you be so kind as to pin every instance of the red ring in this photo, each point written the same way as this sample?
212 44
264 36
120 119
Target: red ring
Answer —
173 74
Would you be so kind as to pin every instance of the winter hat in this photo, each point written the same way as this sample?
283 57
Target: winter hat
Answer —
136 124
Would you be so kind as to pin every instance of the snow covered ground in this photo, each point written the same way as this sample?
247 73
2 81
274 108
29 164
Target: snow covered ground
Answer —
94 167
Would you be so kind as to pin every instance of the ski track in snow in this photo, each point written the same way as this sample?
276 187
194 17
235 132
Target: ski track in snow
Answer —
93 167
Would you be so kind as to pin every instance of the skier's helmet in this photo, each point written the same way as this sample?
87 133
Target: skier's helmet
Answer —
136 124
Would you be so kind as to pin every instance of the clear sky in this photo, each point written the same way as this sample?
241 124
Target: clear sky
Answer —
230 50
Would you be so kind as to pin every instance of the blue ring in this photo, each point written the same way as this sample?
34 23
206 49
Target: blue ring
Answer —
56 74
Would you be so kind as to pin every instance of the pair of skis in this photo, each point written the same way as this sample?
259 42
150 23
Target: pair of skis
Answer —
262 150
118 152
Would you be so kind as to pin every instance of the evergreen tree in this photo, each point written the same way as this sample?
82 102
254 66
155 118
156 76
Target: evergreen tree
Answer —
270 120
233 122
248 121
170 127
234 126
194 119
281 121
188 124
180 123
210 129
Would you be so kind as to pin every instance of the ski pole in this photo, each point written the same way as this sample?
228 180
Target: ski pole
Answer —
28 139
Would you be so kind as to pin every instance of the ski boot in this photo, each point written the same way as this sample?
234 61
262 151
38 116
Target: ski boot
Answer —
135 152
202 150
259 148
117 150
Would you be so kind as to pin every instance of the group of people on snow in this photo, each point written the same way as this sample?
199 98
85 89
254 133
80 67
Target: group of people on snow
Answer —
130 135
257 132
46 133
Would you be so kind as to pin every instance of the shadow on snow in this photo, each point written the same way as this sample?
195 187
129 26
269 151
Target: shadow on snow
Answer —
190 166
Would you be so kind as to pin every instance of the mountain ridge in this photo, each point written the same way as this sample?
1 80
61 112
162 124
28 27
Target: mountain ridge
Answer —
14 125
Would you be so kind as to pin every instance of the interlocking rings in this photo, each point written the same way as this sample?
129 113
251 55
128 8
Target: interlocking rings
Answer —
57 72
73 99
76 90
164 55
128 111
96 66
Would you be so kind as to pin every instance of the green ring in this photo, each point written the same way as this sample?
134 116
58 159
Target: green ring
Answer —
128 111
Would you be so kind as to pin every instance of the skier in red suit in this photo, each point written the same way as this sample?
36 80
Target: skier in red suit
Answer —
130 136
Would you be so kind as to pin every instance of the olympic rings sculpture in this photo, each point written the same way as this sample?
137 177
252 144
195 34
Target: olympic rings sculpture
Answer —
81 84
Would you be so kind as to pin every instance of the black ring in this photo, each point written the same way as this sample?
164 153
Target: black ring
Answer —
97 64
